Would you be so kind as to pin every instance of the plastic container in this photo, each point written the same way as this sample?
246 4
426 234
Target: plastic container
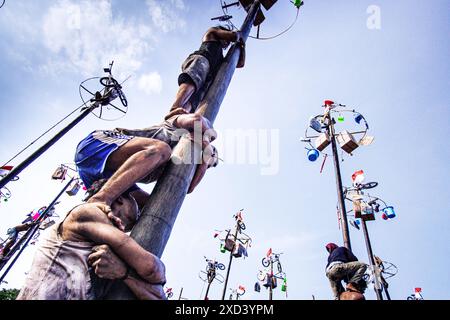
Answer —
315 124
358 118
313 155
389 212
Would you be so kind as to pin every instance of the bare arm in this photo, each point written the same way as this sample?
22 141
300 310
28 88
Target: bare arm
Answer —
216 34
107 265
144 290
92 224
241 61
210 159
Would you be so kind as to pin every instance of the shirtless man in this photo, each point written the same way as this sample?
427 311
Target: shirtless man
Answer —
86 242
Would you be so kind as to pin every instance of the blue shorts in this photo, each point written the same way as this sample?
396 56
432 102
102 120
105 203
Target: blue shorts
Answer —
93 152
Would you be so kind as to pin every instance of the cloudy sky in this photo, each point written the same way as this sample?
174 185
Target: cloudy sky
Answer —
388 60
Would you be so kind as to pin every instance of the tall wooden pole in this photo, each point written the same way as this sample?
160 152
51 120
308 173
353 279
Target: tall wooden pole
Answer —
208 287
271 281
229 263
30 233
158 217
371 260
20 167
340 191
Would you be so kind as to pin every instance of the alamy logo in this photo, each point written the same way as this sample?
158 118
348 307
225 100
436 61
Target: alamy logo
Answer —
374 19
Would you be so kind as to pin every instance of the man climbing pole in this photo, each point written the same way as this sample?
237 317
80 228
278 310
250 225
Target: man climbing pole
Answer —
87 242
156 223
125 156
12 234
343 265
200 67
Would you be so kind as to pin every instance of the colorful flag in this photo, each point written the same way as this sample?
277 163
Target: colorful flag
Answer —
5 170
269 253
358 177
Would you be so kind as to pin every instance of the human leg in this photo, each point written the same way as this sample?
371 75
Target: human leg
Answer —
337 288
185 91
195 69
131 163
355 272
335 276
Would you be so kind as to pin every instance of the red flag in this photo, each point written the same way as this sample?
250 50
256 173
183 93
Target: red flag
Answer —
242 288
358 176
269 253
418 289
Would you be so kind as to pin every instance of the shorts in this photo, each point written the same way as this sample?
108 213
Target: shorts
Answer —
195 69
93 152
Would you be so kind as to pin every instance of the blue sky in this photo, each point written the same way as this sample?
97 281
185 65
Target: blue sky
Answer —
397 76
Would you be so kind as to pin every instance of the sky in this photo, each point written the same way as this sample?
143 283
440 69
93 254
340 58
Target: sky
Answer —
386 59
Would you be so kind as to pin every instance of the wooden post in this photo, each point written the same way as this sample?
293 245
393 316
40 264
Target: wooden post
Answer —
158 217
224 292
340 191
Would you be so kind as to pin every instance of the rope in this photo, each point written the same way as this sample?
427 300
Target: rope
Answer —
281 33
34 141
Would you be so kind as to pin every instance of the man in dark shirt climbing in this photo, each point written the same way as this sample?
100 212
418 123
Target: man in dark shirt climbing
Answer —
343 265
199 69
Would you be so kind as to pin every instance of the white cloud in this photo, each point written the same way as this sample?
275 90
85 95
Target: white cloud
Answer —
85 37
166 15
150 83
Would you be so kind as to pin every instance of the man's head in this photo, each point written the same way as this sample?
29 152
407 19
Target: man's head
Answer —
330 247
124 208
224 43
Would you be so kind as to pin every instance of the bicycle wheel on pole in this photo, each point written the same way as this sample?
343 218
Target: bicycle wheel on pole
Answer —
89 90
369 185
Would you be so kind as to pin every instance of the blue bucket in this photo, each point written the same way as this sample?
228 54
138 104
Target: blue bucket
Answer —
358 118
389 212
313 155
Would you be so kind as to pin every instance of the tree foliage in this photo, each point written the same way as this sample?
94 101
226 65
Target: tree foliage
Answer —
9 294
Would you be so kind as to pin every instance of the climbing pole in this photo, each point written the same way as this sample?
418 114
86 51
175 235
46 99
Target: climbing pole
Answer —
153 230
211 274
325 125
29 235
365 208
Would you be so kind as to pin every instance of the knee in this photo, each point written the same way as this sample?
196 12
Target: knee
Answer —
161 149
